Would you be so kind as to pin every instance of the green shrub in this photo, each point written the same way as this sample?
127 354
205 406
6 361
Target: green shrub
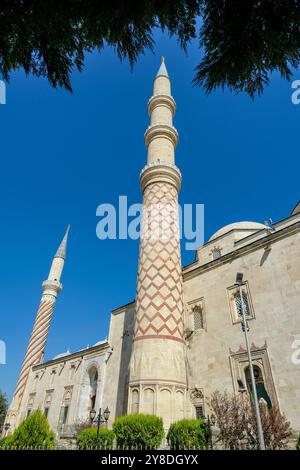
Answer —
138 431
87 439
33 433
6 443
298 443
188 434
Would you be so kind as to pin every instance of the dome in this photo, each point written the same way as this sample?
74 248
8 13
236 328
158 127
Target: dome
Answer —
67 353
251 226
296 209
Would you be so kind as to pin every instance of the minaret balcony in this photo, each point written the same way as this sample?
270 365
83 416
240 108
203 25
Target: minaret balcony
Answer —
51 287
161 100
160 171
161 130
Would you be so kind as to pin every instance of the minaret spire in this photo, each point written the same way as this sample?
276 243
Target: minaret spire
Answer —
35 350
62 249
158 349
162 71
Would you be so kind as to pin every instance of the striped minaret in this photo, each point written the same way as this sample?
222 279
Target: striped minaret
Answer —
35 349
157 371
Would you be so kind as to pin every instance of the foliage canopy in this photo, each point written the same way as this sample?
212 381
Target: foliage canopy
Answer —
241 42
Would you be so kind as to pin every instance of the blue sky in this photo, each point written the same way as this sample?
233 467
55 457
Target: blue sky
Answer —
64 154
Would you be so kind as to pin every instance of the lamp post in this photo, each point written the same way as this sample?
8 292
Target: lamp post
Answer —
245 328
211 421
242 391
99 422
92 415
100 419
106 414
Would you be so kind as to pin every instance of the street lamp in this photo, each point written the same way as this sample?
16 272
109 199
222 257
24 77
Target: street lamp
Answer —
245 328
106 414
99 418
92 415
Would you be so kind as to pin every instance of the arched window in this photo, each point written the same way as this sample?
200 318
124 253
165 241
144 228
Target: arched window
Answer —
148 401
198 317
93 376
179 405
260 385
165 407
135 401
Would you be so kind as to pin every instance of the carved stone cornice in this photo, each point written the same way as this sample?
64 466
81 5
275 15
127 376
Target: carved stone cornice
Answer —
161 100
161 130
253 348
159 172
51 288
194 269
70 357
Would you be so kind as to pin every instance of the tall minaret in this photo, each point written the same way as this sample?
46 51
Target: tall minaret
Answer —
35 349
157 370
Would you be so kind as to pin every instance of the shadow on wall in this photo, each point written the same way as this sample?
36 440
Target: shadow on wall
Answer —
265 256
123 382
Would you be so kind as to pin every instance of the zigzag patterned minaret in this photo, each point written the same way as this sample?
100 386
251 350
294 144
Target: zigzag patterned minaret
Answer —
157 372
35 350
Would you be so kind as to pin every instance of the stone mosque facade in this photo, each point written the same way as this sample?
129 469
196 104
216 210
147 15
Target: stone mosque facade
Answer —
181 339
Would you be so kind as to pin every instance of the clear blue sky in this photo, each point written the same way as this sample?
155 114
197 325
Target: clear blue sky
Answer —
64 154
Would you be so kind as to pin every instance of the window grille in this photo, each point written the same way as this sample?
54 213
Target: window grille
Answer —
238 304
198 317
199 412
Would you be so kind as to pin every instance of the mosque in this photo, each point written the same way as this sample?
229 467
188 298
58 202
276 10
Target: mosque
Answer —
181 339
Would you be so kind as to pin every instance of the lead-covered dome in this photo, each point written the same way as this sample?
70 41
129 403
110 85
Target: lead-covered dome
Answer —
244 226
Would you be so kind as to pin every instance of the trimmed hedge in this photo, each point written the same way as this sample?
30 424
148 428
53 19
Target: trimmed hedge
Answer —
188 434
33 433
87 439
138 431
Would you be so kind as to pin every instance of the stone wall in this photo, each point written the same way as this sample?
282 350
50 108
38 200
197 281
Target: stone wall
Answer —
216 352
66 382
115 394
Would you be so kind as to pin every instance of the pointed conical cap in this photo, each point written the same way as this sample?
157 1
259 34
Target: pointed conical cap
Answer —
162 71
62 249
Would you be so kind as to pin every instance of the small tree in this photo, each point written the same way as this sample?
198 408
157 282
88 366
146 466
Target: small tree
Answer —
229 413
33 433
3 408
235 418
276 428
138 431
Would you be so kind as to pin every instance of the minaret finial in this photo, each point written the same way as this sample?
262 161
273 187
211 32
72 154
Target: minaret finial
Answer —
162 71
62 249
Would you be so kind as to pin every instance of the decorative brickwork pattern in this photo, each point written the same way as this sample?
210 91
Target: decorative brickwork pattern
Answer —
159 299
35 349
